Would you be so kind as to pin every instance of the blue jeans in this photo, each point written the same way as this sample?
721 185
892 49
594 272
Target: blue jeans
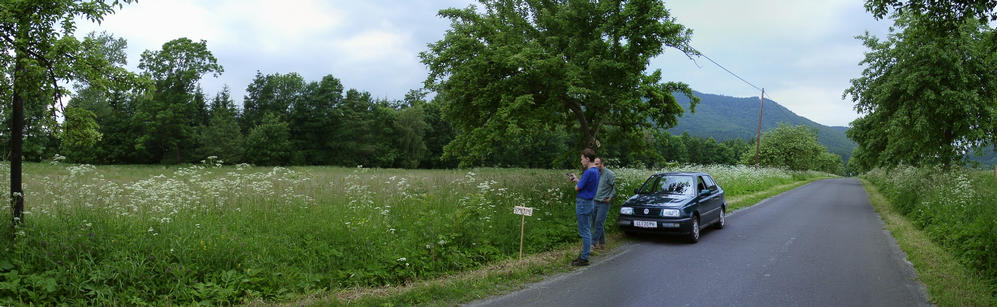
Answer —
598 228
583 210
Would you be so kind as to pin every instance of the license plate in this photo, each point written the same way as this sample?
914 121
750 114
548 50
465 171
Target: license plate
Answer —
646 224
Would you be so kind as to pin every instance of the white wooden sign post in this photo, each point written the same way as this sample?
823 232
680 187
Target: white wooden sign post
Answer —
524 212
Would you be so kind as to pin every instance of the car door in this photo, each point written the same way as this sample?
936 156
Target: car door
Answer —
709 203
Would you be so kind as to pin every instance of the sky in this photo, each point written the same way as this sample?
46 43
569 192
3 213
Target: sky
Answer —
803 53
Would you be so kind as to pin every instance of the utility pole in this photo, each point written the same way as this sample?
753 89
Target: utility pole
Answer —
758 141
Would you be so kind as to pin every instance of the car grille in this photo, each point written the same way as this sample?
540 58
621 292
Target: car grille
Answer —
650 212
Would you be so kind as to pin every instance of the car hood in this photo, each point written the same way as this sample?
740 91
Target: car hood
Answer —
658 200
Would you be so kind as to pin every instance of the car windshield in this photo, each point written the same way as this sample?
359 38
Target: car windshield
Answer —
668 184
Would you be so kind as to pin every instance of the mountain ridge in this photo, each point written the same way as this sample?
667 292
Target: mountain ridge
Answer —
724 117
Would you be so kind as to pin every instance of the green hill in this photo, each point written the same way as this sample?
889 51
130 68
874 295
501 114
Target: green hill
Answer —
724 118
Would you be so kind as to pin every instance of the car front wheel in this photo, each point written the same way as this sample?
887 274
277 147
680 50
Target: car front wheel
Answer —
694 234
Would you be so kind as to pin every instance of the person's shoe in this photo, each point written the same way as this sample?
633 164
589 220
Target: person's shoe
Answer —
580 262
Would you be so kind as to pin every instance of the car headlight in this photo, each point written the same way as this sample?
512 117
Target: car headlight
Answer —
627 210
670 212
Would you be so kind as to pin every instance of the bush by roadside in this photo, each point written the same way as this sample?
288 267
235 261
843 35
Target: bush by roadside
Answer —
957 208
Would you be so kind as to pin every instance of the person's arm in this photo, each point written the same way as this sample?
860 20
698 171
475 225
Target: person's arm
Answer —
612 186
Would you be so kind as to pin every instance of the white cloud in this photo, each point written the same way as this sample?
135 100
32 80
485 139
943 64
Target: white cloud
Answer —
817 103
726 22
800 51
374 46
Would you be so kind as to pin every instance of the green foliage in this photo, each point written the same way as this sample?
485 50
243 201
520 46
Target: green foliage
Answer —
727 118
80 129
514 69
169 117
135 235
410 127
927 97
944 15
670 149
269 142
954 207
313 116
111 101
795 148
274 94
222 137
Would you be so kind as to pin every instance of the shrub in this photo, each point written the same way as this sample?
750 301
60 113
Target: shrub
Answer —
957 208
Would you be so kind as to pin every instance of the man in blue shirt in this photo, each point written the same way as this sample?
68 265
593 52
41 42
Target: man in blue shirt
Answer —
584 204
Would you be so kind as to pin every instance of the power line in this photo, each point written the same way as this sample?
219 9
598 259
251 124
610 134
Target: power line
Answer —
728 70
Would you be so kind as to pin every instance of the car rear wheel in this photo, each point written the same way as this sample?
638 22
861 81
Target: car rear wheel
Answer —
723 218
694 234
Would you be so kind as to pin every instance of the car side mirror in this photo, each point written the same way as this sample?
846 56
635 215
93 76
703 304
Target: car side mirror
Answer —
704 192
637 191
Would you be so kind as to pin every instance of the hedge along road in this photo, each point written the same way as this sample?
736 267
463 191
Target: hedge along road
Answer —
818 245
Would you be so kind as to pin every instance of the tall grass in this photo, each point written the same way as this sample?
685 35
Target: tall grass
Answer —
957 208
131 235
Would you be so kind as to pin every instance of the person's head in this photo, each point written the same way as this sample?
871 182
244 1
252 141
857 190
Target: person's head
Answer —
588 155
599 163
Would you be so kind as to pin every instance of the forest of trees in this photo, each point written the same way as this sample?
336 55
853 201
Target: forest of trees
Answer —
161 115
287 120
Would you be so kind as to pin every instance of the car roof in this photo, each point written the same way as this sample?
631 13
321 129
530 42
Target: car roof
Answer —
682 174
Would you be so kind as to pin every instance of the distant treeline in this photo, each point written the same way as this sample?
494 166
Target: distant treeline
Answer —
286 120
161 115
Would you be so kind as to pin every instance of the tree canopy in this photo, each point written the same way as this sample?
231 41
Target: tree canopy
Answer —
37 49
795 148
926 97
942 14
515 69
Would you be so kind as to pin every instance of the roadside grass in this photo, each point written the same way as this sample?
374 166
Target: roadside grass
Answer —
219 235
502 278
949 283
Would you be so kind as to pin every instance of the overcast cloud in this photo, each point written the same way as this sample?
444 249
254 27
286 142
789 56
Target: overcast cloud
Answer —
802 52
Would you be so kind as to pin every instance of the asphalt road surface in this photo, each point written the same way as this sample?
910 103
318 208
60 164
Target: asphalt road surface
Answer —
819 245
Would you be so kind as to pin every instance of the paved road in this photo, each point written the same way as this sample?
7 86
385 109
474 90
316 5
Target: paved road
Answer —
818 245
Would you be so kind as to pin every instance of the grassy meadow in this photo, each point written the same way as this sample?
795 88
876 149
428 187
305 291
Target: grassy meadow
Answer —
214 234
956 209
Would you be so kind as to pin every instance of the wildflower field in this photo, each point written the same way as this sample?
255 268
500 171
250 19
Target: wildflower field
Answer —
214 234
957 208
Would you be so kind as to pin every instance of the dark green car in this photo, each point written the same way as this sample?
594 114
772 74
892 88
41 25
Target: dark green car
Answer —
675 203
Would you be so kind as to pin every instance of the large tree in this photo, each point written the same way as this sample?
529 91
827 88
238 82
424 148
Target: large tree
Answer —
178 105
517 68
312 116
37 49
271 94
222 137
944 15
927 97
795 148
110 98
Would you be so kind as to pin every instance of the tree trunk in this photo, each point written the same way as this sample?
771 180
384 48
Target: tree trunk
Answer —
16 141
588 133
